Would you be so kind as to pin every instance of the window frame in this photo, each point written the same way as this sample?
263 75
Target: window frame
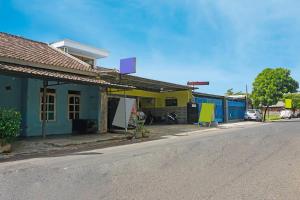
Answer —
47 106
171 98
74 105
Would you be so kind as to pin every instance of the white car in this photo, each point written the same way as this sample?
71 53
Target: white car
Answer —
253 114
286 114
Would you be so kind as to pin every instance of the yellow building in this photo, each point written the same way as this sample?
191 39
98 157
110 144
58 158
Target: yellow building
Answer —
156 97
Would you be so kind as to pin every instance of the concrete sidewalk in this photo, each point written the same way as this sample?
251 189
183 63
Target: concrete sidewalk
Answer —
31 147
37 145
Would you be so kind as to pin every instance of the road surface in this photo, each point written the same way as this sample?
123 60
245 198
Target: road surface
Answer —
256 162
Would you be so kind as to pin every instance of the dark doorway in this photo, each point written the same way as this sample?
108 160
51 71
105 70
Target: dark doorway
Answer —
112 108
192 113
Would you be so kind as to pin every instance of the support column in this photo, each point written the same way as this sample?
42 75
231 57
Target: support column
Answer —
45 84
103 111
225 110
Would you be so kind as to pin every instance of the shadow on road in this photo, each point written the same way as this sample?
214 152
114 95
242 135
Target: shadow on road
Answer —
86 154
287 121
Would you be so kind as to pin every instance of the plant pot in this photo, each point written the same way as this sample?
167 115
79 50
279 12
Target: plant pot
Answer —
6 148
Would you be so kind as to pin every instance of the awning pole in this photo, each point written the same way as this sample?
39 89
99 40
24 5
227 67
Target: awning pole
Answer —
45 83
125 110
125 123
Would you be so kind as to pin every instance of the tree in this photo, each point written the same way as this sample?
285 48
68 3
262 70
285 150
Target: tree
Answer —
270 86
230 92
239 93
295 97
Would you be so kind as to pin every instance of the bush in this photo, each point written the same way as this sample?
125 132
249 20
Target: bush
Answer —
140 130
10 125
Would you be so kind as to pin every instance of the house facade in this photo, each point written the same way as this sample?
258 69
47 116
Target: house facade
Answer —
49 87
151 95
58 87
227 109
64 103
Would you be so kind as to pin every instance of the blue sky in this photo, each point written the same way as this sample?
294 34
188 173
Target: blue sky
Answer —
226 42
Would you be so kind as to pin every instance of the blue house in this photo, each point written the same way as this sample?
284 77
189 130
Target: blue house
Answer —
219 101
50 87
226 108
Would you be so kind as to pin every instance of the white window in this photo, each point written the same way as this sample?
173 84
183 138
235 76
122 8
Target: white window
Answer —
50 105
74 106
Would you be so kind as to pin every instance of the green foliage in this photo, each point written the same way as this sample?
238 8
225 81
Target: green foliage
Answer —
270 86
10 124
230 92
295 99
272 117
140 130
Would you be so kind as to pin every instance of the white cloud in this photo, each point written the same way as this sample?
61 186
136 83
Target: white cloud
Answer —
226 42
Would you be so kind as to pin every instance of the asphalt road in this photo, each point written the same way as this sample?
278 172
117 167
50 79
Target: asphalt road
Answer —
257 162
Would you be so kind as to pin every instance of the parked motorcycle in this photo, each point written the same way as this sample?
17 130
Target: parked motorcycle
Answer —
172 118
149 118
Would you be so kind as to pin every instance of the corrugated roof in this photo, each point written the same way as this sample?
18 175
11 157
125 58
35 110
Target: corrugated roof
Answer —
113 76
27 50
199 94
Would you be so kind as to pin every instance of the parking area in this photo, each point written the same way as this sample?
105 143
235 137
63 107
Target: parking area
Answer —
162 130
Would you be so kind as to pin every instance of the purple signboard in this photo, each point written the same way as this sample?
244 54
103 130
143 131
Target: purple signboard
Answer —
128 66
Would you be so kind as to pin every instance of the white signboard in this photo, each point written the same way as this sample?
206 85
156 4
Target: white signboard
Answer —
123 112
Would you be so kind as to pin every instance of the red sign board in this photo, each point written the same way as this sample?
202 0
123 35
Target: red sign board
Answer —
198 83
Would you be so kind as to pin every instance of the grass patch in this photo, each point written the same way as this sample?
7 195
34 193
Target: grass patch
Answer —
272 117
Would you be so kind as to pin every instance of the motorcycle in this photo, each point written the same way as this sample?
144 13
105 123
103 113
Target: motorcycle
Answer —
172 118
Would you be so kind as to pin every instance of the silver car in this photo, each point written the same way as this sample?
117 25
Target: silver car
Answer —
253 114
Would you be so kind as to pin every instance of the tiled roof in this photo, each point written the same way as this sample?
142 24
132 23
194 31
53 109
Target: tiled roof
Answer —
53 75
23 49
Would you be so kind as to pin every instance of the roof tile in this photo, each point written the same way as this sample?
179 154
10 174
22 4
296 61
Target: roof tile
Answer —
38 52
54 75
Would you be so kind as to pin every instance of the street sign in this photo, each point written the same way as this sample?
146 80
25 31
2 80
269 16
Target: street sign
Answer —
198 83
128 66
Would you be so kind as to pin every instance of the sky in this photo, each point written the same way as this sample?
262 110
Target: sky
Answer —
225 42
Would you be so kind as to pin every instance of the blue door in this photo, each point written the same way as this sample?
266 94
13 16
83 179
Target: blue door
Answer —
219 113
236 109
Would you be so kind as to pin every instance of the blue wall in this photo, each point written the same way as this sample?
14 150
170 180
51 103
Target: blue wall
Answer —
13 95
24 96
236 109
219 113
10 97
89 107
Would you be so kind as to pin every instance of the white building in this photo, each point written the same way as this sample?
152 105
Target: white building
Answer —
84 52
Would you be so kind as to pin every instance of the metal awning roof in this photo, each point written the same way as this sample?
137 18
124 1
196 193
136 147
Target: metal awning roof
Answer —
199 94
140 83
